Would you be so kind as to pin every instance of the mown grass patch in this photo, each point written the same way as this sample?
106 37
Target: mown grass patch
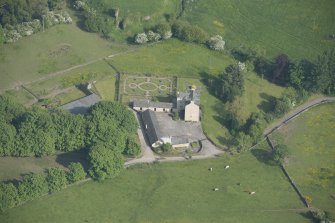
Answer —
311 139
299 28
106 87
57 48
174 192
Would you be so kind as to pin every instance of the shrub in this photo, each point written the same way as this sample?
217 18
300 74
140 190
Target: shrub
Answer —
56 179
76 173
141 38
166 147
153 37
188 33
8 196
132 147
216 43
32 186
164 30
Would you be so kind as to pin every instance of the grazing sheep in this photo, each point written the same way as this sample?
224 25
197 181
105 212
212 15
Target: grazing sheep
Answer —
252 192
216 189
210 169
226 167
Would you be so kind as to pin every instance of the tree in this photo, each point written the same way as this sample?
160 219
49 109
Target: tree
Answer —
324 73
71 131
1 36
141 38
56 179
255 126
242 141
76 173
282 105
104 162
280 153
32 185
216 43
188 33
164 29
281 69
132 147
7 138
56 4
231 83
153 37
9 108
8 196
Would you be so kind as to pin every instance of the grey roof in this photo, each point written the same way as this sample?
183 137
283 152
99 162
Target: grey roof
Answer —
176 140
190 95
151 126
147 103
81 105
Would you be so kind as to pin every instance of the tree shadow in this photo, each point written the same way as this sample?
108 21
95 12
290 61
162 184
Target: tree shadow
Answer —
65 159
267 103
308 215
263 156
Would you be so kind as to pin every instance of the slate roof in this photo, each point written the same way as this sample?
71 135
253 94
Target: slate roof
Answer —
151 126
81 105
190 95
147 103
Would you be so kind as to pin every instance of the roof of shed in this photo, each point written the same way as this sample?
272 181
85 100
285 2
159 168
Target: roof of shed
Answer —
81 105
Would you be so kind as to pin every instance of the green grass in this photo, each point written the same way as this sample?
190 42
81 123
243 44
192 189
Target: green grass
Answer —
173 192
172 57
16 167
299 28
72 95
21 96
134 11
311 141
57 48
106 88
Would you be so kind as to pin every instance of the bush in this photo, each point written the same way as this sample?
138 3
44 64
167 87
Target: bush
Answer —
8 196
153 37
321 216
141 38
56 179
216 43
164 30
132 147
76 173
280 153
166 147
188 33
32 186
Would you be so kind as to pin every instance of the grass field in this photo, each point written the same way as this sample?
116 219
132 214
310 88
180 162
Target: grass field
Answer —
16 167
311 140
299 28
106 87
57 48
174 192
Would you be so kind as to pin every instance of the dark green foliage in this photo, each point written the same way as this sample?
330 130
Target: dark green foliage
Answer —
36 134
279 153
132 147
8 196
56 179
162 28
255 126
166 147
105 162
281 69
1 36
188 33
282 106
324 73
9 109
33 185
7 138
71 131
56 4
76 173
242 141
231 83
18 11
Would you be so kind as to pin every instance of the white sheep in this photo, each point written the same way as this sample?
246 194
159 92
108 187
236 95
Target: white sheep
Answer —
216 189
211 169
226 167
252 193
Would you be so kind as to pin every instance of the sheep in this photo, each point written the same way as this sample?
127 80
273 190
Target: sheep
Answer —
226 167
215 189
252 192
210 169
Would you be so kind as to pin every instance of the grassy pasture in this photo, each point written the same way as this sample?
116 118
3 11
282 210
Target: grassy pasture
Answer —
173 192
106 87
311 140
299 28
134 12
57 48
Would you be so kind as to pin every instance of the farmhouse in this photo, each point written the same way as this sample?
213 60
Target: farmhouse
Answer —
155 134
186 103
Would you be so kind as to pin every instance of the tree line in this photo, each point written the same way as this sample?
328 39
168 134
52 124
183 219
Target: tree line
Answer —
107 131
37 184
